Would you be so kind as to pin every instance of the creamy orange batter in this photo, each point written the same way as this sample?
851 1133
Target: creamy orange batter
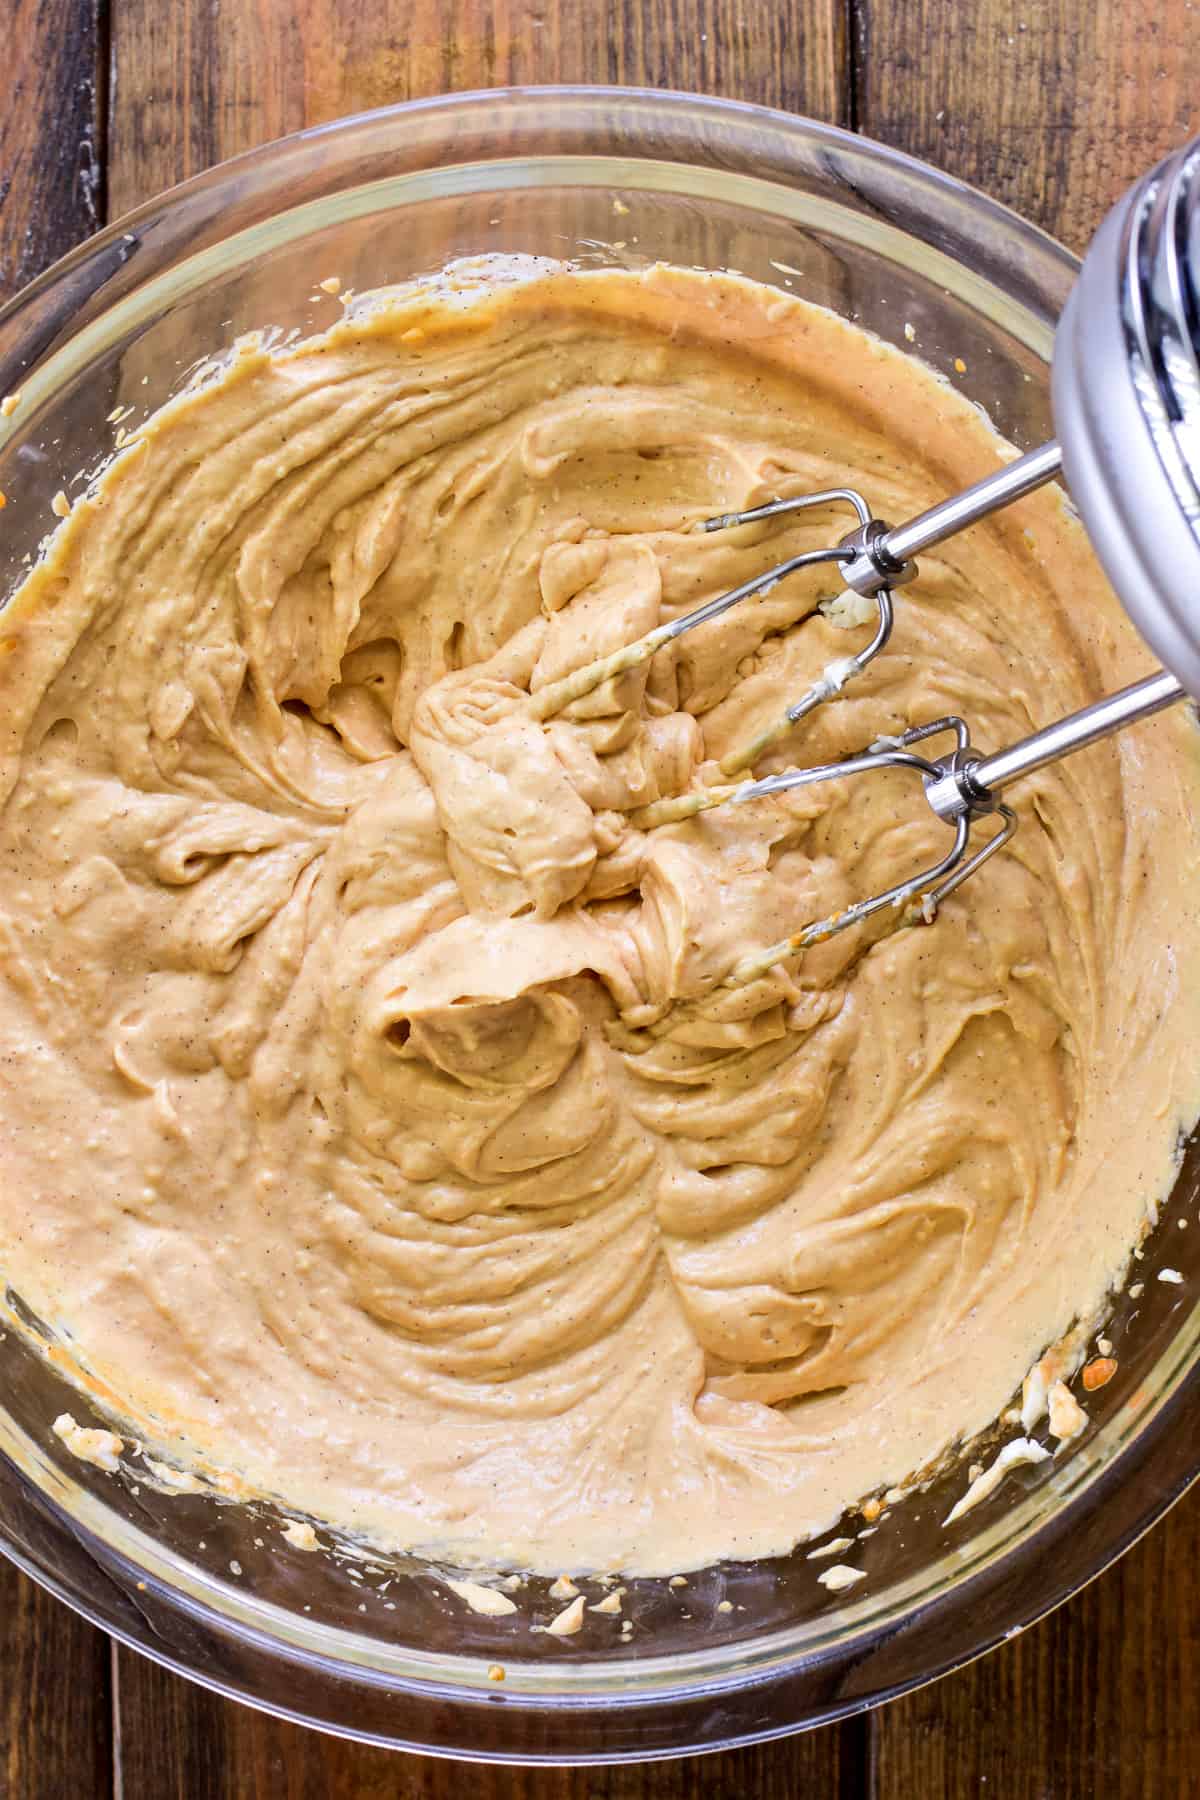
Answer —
375 1118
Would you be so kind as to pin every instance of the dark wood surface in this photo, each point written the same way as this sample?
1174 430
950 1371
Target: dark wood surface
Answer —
1053 105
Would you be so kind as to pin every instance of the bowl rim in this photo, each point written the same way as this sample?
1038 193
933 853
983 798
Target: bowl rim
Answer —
850 1667
858 145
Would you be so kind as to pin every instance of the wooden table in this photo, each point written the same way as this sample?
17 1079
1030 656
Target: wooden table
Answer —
1053 105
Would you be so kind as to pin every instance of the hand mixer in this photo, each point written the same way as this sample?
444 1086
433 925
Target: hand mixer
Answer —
1126 399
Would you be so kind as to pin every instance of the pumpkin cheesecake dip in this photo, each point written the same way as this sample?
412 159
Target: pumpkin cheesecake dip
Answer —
375 1121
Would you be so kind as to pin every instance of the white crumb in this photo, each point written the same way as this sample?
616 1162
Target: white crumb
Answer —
487 1600
569 1620
1021 1450
1067 1417
92 1445
835 675
300 1535
840 1577
611 1603
1034 1389
848 610
832 1549
178 1480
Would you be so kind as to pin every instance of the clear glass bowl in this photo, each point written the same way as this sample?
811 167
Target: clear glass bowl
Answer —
603 176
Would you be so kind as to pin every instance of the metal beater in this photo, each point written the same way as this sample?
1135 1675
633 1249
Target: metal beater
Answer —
1126 398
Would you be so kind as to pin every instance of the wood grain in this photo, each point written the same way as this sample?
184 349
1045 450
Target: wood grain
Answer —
55 1711
1053 106
194 83
180 1743
1101 1698
51 133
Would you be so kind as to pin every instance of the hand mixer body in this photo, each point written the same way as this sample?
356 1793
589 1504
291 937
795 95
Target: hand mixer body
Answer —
1126 397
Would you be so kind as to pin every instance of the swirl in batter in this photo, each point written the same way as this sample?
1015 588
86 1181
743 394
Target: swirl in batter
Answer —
373 1111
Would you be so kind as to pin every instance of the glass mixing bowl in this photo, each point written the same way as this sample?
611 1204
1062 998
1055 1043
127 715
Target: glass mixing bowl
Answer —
379 1650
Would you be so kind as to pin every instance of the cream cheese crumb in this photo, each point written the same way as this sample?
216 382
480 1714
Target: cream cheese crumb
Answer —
832 1549
563 1589
1172 1276
611 1603
60 504
724 1605
331 285
9 405
840 1577
834 677
300 1535
848 610
677 1581
92 1445
569 1620
1067 1417
1034 1389
486 1600
178 1480
1021 1450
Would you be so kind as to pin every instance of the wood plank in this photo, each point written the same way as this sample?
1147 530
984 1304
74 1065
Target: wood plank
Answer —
55 1714
193 84
51 133
1103 1697
55 1711
181 1743
1053 106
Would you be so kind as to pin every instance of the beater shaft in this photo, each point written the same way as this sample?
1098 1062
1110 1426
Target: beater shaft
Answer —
885 557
